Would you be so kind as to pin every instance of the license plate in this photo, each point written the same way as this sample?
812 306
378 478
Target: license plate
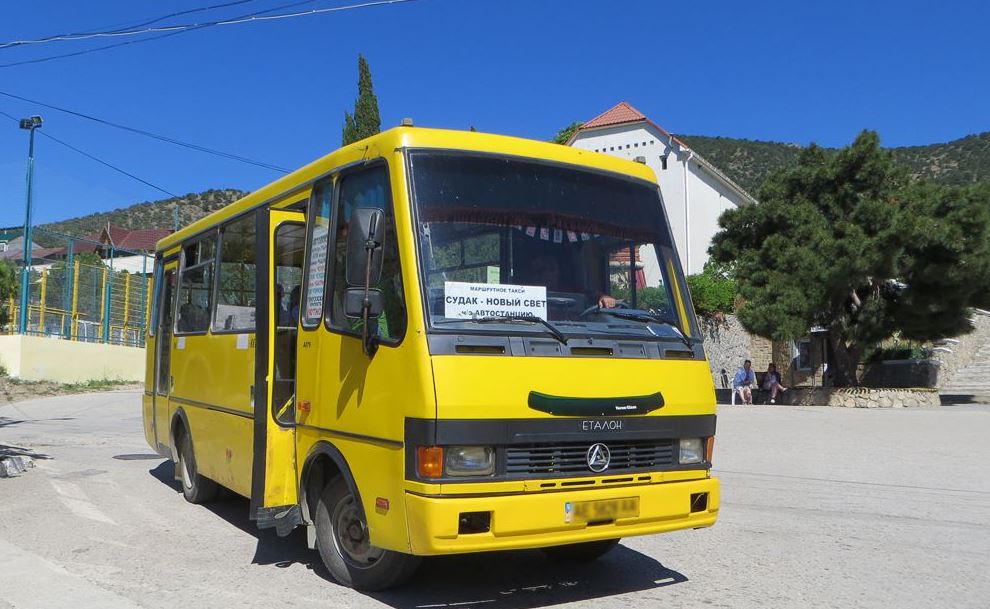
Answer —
604 509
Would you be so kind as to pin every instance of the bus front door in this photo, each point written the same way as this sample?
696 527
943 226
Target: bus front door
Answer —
281 238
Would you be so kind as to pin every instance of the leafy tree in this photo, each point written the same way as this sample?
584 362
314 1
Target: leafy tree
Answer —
565 134
8 289
846 242
713 291
365 121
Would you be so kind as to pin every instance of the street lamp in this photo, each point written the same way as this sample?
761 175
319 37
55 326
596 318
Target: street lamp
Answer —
30 124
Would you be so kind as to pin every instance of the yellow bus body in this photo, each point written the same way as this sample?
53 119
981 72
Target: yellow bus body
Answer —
359 406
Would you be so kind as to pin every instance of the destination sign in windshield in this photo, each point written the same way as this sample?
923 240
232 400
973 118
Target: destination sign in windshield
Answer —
480 300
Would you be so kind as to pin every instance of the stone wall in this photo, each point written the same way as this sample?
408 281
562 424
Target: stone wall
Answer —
955 354
728 345
864 397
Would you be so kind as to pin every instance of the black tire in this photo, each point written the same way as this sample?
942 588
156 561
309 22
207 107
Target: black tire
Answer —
346 552
581 552
196 488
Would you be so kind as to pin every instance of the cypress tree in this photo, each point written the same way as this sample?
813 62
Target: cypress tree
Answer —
365 121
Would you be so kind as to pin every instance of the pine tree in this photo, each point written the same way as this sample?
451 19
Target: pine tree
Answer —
365 121
845 241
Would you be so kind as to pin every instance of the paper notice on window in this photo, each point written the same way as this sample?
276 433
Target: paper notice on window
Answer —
317 272
470 300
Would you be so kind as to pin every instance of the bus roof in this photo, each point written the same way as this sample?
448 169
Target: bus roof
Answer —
385 143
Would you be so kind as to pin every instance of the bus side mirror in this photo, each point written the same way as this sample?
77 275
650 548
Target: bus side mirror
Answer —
366 232
354 302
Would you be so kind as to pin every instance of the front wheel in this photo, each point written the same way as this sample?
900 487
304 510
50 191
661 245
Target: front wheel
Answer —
196 488
344 545
581 552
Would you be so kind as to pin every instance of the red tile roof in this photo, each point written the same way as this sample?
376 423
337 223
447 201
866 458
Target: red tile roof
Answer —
617 115
141 239
623 114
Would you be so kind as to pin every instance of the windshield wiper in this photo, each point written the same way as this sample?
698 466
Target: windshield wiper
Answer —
552 330
647 319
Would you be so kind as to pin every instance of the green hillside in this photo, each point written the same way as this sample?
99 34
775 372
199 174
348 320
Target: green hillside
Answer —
149 214
748 162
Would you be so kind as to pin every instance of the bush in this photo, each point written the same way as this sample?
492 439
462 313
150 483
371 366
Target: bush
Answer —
898 351
8 288
713 291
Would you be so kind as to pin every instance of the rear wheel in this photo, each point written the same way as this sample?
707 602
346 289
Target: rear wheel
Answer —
581 552
344 545
196 488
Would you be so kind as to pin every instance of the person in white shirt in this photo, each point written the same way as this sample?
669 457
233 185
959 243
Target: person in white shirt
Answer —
744 381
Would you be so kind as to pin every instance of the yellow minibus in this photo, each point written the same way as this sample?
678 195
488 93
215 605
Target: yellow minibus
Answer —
435 342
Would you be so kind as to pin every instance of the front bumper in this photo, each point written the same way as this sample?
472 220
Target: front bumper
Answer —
534 520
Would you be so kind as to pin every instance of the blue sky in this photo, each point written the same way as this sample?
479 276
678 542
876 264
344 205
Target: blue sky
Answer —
276 91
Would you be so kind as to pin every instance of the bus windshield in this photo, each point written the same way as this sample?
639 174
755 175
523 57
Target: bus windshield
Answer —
523 240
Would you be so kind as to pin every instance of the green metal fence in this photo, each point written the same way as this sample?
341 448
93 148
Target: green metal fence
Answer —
85 291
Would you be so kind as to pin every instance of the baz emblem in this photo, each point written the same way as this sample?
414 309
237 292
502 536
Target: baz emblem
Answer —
598 457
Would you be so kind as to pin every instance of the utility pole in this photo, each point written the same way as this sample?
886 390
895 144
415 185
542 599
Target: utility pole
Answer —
30 124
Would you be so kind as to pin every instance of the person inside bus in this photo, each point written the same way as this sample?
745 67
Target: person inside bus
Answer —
546 272
771 382
293 308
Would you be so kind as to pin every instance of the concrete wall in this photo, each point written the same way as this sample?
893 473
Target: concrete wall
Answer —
35 358
694 213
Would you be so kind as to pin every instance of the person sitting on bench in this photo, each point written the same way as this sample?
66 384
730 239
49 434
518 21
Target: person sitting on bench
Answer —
744 381
771 382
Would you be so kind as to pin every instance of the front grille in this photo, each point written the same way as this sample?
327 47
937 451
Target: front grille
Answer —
572 458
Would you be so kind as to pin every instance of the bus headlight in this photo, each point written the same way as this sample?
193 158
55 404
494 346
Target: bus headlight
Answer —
469 461
692 451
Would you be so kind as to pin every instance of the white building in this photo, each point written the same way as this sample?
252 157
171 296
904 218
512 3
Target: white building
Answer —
694 191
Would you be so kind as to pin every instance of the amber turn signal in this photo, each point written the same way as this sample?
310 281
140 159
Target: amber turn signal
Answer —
709 448
429 461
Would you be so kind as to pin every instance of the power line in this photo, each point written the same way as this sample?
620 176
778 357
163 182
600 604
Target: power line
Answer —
156 136
98 160
102 162
129 25
175 29
130 42
172 28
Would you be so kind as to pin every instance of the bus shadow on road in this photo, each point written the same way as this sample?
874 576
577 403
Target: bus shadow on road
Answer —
521 579
526 579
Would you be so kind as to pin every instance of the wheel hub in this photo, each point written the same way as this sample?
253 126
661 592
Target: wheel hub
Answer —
351 535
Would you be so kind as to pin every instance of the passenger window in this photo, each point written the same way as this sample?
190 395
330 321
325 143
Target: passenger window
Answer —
316 265
236 293
369 188
195 284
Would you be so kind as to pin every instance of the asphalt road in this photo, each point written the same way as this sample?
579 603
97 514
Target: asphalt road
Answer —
821 507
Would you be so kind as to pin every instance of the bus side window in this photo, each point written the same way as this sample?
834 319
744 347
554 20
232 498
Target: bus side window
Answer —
195 286
368 188
235 298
